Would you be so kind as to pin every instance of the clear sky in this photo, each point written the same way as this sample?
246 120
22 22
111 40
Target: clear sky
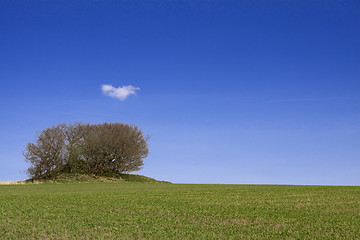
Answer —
229 91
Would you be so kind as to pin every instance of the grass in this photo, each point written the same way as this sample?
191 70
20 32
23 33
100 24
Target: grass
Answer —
127 210
84 178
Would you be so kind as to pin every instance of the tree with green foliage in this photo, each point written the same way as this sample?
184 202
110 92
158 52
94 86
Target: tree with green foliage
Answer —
86 148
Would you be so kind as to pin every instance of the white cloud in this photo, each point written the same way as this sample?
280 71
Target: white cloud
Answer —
120 93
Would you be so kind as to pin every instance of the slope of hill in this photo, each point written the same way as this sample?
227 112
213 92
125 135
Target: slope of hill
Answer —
76 177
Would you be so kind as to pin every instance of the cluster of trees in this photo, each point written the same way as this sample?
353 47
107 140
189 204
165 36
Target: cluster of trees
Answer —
86 148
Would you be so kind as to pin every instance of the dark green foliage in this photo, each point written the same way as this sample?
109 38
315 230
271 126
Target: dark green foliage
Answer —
138 178
86 149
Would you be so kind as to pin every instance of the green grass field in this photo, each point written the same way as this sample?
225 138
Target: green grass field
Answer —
178 211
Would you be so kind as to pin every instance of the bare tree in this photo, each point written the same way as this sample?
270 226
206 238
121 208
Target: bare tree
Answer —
114 147
47 154
74 138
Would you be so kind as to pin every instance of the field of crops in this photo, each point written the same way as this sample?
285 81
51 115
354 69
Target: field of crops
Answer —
178 211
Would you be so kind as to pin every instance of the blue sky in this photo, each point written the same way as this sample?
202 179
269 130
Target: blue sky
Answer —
230 91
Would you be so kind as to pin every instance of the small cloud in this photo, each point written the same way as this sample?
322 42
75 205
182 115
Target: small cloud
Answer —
120 93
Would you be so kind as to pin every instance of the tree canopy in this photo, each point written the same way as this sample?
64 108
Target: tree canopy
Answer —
86 148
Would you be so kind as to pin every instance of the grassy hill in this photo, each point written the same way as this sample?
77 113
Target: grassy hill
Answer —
81 178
